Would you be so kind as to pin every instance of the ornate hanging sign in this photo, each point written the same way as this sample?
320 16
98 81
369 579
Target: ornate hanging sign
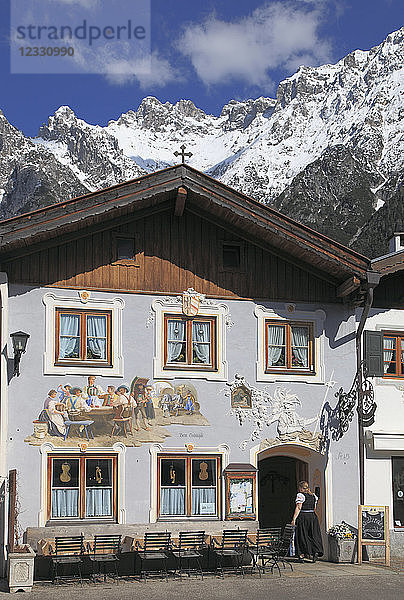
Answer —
190 303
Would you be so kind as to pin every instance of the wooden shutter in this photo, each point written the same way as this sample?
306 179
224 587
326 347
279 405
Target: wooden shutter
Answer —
373 343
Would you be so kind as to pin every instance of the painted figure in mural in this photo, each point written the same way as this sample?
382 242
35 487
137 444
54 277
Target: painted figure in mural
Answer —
92 393
137 393
51 396
307 535
55 414
284 411
241 398
177 403
121 401
150 412
75 401
64 392
189 405
110 396
165 403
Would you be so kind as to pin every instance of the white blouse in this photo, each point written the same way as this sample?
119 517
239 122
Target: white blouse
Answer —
301 498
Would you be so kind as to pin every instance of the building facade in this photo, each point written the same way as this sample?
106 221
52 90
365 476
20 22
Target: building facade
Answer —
384 440
186 347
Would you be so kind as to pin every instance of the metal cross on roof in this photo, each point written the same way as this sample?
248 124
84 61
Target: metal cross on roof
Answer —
183 154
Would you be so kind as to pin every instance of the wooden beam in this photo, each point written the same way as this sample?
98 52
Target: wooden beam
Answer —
180 202
349 286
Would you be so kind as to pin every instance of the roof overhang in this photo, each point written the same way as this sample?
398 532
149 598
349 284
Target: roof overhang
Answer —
390 263
184 188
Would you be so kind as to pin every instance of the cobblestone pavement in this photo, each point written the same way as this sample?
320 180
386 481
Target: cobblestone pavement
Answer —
320 581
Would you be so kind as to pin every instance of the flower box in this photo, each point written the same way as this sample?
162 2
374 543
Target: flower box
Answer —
341 550
21 569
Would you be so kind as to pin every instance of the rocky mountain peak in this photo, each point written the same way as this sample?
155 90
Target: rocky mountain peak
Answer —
240 114
331 143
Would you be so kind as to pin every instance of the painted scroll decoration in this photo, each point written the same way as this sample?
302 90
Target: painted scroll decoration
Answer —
281 408
190 301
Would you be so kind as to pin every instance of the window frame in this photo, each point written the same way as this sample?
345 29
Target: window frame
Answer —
83 300
288 368
207 308
189 365
228 269
82 360
129 262
399 347
284 313
82 458
188 458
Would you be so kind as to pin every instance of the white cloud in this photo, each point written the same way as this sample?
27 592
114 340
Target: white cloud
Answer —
278 34
149 72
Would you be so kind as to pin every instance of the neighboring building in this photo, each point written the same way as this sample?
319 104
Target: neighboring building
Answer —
231 327
384 464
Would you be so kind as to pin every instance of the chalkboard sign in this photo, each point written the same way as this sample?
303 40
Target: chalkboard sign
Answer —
373 529
373 523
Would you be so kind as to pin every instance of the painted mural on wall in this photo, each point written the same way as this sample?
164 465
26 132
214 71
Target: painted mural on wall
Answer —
280 408
133 414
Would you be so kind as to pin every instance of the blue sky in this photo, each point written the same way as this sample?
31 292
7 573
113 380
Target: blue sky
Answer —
208 51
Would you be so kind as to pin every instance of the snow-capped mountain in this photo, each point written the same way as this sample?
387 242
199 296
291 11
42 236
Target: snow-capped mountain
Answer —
328 150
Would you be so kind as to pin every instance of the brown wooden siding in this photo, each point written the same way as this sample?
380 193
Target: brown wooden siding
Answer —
172 254
390 291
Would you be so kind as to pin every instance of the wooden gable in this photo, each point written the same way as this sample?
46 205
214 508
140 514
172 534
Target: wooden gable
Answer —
171 254
179 219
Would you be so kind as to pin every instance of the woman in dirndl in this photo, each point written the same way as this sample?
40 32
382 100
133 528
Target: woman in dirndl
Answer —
307 540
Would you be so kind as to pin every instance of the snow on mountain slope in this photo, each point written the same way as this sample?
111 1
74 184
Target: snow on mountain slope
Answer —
327 122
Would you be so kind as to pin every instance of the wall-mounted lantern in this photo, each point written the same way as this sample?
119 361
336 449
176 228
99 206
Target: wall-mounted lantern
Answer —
19 345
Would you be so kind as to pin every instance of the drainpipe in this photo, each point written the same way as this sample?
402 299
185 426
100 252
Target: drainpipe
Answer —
372 281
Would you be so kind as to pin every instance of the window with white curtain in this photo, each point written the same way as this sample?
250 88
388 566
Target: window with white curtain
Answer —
393 354
289 346
82 487
188 486
83 337
190 342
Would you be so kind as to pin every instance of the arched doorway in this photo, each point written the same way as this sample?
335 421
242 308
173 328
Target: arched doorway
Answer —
277 483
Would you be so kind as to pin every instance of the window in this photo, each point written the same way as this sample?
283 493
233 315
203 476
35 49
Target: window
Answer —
82 337
232 256
393 355
384 354
82 488
398 490
124 250
289 347
188 486
189 342
89 334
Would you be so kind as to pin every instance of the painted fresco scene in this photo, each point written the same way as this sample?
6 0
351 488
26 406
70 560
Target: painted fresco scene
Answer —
102 415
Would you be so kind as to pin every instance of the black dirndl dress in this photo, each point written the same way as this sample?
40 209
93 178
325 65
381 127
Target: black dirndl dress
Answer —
307 534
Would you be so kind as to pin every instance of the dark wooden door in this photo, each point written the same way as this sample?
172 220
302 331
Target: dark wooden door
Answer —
277 487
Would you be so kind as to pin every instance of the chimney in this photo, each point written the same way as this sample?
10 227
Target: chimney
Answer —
396 242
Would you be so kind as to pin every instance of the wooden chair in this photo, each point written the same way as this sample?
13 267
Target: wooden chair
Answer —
233 546
121 421
282 549
265 548
156 547
67 551
105 550
190 547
